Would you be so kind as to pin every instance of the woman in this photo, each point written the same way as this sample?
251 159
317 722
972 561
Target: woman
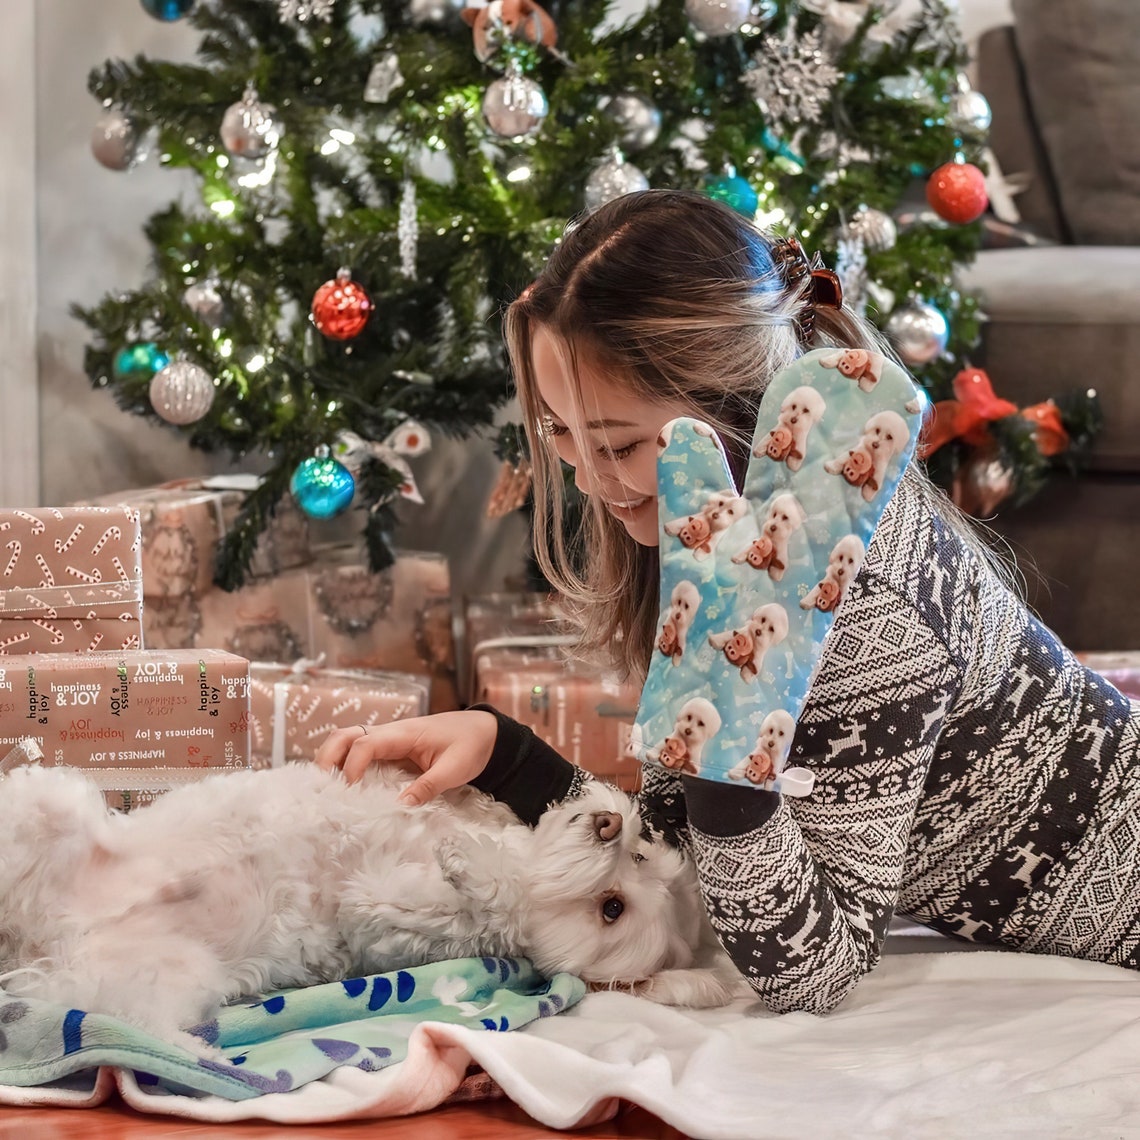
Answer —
969 772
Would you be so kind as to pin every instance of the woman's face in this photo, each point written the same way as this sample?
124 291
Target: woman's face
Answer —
612 443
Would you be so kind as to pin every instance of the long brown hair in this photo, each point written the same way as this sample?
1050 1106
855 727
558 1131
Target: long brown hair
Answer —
677 297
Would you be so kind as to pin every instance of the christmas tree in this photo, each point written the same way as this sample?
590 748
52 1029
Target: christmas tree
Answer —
378 176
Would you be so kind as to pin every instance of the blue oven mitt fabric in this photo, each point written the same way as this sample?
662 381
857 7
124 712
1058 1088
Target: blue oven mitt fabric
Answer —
751 582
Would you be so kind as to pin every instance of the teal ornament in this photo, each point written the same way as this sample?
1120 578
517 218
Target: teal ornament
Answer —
735 191
323 487
142 359
168 10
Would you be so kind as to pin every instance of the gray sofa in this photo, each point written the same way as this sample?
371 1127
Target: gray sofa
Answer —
1064 84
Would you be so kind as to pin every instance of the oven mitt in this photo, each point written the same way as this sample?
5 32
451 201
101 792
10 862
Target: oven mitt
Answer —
750 584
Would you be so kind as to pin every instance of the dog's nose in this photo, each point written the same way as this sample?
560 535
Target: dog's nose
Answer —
607 825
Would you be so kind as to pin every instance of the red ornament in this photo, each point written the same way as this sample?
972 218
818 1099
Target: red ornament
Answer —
1048 429
341 307
957 192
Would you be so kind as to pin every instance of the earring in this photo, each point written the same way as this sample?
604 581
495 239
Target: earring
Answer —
546 425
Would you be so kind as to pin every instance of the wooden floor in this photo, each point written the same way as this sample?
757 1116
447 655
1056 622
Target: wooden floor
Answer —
489 1120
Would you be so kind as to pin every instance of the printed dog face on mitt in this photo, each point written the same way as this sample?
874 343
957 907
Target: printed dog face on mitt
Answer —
842 565
800 411
701 532
683 605
697 723
770 551
865 465
857 364
770 754
745 647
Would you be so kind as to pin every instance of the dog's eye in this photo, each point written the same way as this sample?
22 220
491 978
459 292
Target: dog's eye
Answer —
638 857
612 909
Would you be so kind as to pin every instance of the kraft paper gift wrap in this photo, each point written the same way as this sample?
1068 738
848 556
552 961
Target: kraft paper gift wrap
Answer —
582 712
70 580
137 719
294 708
397 621
184 521
508 618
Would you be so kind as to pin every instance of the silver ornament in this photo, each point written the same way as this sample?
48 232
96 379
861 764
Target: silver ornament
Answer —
249 129
970 111
876 230
408 230
718 17
425 13
637 118
115 140
302 11
514 106
205 302
851 267
182 392
383 79
613 179
919 332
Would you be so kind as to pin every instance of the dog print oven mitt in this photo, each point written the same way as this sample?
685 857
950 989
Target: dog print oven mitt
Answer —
750 583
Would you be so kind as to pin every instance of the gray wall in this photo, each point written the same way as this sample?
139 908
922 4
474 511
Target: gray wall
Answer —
90 242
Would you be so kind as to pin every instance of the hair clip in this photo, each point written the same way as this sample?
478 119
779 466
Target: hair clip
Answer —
823 287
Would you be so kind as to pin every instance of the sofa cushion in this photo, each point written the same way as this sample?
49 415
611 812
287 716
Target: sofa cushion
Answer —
1063 318
1014 137
1082 70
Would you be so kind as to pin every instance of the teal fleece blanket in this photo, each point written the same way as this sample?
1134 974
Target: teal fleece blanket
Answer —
281 1041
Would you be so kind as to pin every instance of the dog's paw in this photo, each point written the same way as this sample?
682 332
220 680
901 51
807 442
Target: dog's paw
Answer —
452 861
692 989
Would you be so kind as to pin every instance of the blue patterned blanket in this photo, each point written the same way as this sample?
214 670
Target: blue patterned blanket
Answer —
285 1040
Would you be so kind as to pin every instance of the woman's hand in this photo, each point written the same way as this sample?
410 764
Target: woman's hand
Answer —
450 748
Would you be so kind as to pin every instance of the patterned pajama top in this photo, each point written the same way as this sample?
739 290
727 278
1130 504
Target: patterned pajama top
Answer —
970 773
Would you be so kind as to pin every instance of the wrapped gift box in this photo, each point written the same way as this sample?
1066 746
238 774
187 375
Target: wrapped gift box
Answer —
70 580
1120 669
139 719
506 619
581 711
184 521
293 709
336 609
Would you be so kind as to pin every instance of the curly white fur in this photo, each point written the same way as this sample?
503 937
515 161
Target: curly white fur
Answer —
253 881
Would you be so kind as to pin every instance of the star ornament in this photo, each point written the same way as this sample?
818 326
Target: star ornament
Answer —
793 78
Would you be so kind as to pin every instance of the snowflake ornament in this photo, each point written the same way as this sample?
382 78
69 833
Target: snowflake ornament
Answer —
302 11
793 78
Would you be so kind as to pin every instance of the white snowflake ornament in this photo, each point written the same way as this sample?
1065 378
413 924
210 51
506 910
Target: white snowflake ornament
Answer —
793 78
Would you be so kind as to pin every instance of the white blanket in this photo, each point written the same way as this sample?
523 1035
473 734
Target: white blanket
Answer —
930 1045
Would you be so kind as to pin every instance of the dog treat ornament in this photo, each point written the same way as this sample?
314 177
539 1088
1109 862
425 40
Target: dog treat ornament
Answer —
750 583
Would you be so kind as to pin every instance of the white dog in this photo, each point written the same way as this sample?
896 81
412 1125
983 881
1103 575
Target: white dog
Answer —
254 881
842 565
801 410
697 723
684 602
885 435
745 648
768 758
703 531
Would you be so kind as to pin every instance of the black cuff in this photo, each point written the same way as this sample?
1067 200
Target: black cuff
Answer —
524 772
727 810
